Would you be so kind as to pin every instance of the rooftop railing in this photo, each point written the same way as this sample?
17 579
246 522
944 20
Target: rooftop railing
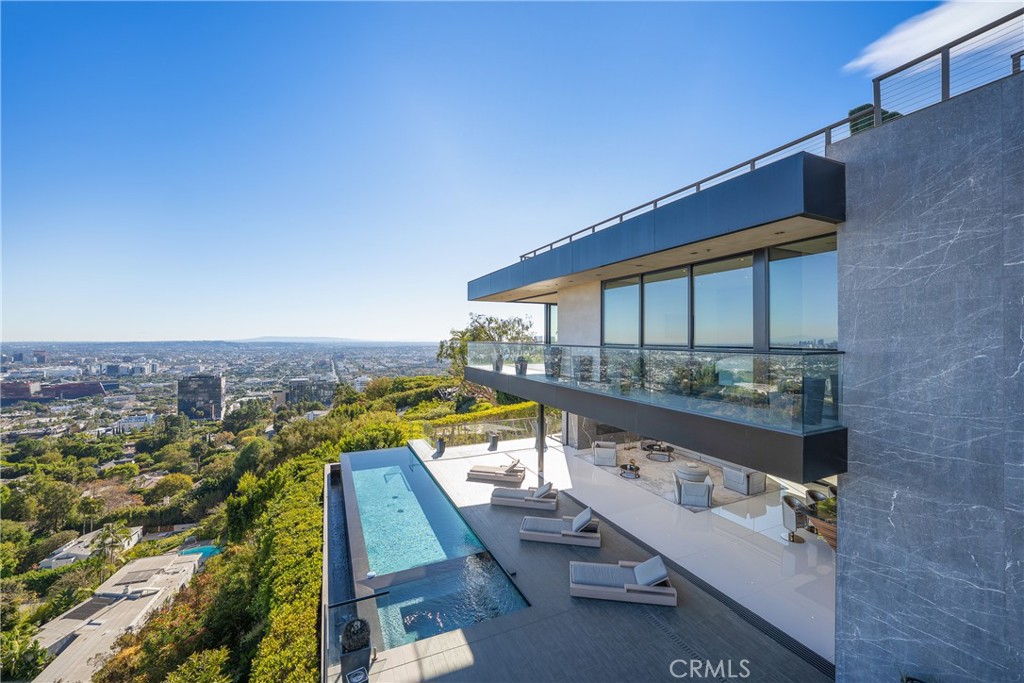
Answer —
978 58
793 391
971 61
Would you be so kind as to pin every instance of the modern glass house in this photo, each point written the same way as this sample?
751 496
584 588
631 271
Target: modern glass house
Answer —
848 304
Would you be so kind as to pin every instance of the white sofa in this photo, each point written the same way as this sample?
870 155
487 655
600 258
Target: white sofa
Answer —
604 453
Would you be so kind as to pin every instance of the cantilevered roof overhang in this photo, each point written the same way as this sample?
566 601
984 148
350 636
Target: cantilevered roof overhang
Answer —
796 197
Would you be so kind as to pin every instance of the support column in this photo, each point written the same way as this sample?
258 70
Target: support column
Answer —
541 438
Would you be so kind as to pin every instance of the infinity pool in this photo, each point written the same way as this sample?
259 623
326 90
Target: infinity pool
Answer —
408 522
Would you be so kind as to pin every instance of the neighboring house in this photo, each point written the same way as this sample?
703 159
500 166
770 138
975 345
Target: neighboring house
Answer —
83 548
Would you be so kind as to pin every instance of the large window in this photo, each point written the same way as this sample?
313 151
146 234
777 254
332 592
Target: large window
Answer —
622 311
804 294
723 303
666 308
553 324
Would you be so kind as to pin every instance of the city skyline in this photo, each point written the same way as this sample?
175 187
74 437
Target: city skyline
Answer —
339 170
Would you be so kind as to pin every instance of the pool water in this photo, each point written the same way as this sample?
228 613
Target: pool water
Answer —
206 551
408 522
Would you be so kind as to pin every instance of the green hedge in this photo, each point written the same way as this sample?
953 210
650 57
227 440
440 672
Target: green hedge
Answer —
289 557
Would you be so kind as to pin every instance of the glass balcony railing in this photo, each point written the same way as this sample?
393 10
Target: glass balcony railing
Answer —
794 391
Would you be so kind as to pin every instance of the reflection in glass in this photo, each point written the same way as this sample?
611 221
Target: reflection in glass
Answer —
723 303
804 294
622 311
553 323
666 308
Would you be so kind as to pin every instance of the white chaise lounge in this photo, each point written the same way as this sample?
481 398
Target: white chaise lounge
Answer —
542 498
513 473
582 529
644 582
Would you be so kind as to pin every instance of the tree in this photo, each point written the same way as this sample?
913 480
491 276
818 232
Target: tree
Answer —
57 501
111 540
345 395
28 448
205 666
21 656
481 328
90 507
170 486
248 415
252 456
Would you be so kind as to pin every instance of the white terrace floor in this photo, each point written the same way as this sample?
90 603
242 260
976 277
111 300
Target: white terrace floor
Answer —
736 548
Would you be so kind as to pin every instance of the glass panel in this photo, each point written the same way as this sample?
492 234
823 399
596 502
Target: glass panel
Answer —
666 308
804 294
553 323
622 311
723 303
793 391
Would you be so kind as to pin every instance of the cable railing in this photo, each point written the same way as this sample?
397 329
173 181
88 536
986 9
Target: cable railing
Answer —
978 58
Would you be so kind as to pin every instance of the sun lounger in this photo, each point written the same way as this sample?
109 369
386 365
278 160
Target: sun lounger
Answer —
582 529
513 472
543 498
642 582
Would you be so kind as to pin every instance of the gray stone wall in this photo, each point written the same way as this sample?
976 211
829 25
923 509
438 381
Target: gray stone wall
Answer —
930 577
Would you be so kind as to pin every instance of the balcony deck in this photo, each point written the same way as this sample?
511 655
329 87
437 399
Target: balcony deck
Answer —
774 412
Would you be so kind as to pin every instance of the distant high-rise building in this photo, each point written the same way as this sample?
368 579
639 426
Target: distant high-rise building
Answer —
18 357
306 389
201 397
39 356
359 383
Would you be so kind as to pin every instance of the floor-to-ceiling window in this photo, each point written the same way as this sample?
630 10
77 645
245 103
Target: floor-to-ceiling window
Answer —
621 306
553 324
667 308
804 294
723 303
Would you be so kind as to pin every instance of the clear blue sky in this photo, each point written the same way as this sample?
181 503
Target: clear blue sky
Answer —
222 171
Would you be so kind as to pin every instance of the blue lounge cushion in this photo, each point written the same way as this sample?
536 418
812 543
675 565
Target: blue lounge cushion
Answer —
542 491
651 572
581 520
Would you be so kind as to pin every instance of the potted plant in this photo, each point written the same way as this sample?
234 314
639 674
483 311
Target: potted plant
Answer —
825 521
552 361
355 646
520 365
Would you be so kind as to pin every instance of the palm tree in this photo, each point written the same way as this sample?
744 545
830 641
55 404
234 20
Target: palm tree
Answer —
111 539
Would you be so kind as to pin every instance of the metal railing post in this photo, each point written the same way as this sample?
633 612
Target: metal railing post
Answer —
945 74
876 86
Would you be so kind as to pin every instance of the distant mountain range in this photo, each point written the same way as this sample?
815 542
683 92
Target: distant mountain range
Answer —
321 340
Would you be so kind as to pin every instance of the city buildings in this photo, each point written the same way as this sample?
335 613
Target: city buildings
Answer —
201 397
855 312
316 389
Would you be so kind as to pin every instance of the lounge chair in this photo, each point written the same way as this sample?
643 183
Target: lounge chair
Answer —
582 529
513 472
543 498
643 582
